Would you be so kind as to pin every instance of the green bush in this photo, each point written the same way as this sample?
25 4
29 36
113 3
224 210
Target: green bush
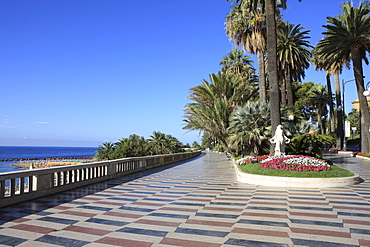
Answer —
309 144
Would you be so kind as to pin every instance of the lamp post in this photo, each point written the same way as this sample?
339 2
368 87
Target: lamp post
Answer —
344 136
367 91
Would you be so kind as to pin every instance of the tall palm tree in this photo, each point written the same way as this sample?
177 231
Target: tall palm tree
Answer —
335 67
235 63
293 55
331 105
321 65
340 113
347 38
270 8
250 126
248 30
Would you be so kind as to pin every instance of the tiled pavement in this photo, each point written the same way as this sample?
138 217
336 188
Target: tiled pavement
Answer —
196 203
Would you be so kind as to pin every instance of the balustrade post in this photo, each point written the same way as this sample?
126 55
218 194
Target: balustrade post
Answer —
12 187
2 189
43 181
161 160
21 185
112 169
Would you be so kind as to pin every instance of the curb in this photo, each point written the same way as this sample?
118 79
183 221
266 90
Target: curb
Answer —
295 182
362 157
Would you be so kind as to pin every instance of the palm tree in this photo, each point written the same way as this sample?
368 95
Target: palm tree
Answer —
293 55
320 64
213 103
139 145
237 64
319 98
158 139
248 30
347 38
334 67
172 144
331 104
340 113
270 8
250 126
310 144
105 151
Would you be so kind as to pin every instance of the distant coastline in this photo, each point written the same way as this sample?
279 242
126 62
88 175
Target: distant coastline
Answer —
46 163
60 158
13 158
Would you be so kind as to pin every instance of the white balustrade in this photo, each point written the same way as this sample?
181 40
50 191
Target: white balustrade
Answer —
19 186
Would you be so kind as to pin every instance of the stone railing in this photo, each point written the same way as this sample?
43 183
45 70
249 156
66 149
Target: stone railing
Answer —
19 186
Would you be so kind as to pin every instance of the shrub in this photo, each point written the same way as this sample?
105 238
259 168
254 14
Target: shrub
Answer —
309 144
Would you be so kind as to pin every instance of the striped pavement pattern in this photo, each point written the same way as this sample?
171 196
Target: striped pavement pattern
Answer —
197 203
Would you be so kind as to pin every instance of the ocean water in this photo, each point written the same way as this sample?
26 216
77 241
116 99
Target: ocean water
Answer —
13 152
6 166
22 153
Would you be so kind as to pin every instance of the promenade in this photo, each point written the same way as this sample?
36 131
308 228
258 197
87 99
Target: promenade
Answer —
197 203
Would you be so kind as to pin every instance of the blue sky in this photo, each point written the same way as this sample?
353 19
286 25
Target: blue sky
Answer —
84 72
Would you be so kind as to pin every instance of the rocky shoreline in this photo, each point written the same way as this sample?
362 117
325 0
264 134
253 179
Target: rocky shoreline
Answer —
64 158
45 163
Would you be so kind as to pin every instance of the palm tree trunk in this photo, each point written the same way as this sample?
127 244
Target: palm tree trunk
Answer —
340 131
331 107
364 107
283 92
319 121
272 66
262 76
289 90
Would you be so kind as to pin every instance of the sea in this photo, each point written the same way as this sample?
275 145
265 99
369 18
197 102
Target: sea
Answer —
17 153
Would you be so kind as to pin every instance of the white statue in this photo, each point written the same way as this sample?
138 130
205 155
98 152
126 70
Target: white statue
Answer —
280 140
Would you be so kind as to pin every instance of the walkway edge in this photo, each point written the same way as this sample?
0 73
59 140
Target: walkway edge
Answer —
295 182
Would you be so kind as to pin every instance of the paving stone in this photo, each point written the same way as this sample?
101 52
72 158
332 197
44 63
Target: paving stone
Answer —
314 243
67 242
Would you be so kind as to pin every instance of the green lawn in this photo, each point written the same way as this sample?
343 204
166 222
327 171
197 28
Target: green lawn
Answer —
334 172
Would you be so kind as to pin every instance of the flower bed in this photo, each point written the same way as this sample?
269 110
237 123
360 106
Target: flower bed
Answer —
363 154
293 171
248 159
264 157
295 163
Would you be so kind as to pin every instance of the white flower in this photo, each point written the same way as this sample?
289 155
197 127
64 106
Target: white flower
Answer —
276 157
306 161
